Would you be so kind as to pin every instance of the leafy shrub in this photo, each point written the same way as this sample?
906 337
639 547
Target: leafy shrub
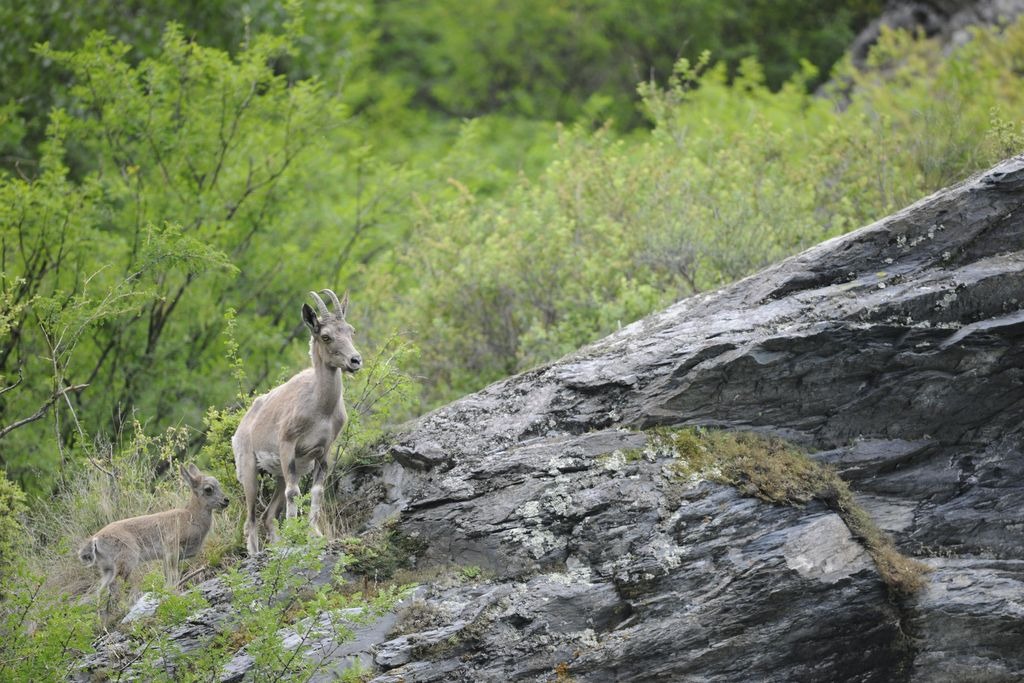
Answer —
733 177
130 259
12 534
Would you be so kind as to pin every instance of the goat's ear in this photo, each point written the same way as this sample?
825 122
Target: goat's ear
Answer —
344 305
191 475
309 317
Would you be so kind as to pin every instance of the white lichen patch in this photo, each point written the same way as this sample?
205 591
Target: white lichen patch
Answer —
574 575
559 463
455 484
537 541
558 502
529 510
947 299
692 476
587 638
614 461
668 554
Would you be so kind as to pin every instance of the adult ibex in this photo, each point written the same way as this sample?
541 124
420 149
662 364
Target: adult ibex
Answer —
118 548
288 431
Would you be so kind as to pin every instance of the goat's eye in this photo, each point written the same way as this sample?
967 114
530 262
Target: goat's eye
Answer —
208 489
326 337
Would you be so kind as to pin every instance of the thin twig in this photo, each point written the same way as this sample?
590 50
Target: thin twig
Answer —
101 468
192 574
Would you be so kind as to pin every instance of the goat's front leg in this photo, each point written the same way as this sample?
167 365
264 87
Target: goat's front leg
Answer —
316 495
290 472
108 575
273 507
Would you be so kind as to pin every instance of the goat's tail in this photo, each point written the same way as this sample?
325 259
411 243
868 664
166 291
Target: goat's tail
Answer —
88 552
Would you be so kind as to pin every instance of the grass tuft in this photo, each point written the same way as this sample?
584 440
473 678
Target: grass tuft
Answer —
775 471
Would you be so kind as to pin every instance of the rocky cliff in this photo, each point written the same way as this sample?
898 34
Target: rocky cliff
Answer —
948 21
893 354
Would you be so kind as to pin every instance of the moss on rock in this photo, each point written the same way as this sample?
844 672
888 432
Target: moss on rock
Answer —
777 472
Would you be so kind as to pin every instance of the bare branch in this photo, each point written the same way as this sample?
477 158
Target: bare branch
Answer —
13 386
42 410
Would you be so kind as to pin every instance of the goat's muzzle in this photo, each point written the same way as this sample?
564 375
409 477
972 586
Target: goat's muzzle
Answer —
354 363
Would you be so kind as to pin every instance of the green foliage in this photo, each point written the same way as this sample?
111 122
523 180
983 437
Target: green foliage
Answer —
555 58
122 276
776 472
471 573
42 630
734 177
12 534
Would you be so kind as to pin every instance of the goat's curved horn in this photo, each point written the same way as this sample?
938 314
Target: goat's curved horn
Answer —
334 300
321 306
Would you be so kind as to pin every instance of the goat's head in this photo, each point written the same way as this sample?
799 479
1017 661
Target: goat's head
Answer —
331 333
205 488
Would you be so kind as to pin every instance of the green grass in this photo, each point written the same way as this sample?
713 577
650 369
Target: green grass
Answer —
777 472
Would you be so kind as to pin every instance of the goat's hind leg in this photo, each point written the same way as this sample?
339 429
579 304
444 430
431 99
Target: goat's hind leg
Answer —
249 478
317 496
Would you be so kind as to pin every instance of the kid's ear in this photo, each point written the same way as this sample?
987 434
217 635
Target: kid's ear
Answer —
309 317
190 474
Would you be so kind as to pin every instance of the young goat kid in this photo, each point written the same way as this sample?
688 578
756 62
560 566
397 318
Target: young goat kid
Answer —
288 431
118 548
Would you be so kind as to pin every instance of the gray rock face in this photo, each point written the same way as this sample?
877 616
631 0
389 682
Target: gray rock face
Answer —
894 353
949 21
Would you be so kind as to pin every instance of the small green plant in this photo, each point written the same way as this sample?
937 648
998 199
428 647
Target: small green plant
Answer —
357 672
471 573
378 554
776 472
420 615
1004 136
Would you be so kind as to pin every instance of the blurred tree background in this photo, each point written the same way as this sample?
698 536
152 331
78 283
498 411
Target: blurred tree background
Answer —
497 183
